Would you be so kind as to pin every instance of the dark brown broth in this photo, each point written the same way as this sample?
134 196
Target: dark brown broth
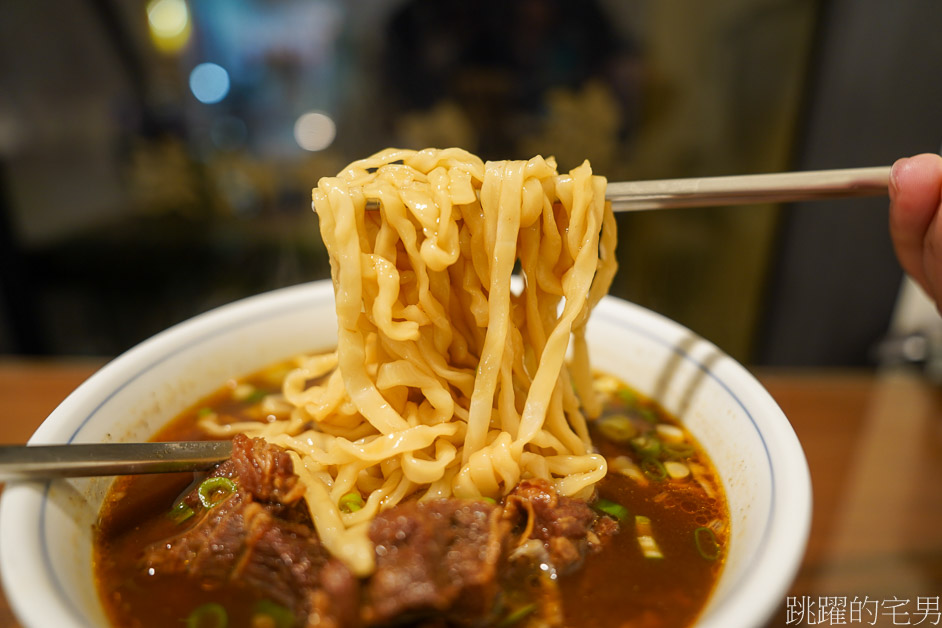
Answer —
616 587
619 586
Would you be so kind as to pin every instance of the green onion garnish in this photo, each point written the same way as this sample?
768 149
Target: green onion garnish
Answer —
351 502
678 450
647 445
204 412
707 545
180 513
612 509
617 428
214 490
210 615
628 396
516 615
649 547
256 395
648 415
281 616
654 469
489 500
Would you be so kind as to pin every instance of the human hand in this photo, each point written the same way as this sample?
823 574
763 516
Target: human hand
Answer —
915 223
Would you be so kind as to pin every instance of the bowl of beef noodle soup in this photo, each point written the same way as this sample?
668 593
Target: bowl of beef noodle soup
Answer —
393 467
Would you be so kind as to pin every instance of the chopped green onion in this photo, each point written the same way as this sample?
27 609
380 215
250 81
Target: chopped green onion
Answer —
648 415
516 615
627 467
351 502
214 490
180 513
617 428
677 470
643 525
241 392
210 615
707 545
281 616
612 509
649 547
204 412
654 469
628 396
678 450
489 500
606 384
647 444
669 433
256 395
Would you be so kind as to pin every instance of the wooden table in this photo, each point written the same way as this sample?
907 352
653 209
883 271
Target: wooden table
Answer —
874 445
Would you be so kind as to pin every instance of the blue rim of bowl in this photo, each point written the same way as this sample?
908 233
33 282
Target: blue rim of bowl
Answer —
305 303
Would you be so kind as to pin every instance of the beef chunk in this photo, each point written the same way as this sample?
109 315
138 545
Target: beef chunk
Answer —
244 539
336 603
439 556
264 471
604 529
564 525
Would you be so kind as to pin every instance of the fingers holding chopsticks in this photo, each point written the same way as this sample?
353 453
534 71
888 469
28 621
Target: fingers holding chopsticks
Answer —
915 224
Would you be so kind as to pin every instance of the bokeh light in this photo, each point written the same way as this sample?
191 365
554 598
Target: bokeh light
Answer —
209 82
314 131
169 24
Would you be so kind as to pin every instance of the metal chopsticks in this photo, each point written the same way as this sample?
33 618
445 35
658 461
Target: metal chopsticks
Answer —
752 188
31 462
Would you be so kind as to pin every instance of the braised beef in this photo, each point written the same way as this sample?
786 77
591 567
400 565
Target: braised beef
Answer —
243 539
436 557
336 603
564 525
265 471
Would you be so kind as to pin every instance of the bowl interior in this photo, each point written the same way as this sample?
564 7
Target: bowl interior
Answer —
45 528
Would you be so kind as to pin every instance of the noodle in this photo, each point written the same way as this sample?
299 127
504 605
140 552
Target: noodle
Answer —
446 382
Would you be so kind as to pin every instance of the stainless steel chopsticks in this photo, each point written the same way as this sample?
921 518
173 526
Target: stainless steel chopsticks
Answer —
26 462
784 187
752 188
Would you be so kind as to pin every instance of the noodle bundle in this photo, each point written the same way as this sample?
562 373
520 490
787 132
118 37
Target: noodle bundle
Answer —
449 378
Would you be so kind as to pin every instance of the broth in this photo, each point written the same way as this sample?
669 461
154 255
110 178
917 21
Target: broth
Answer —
658 570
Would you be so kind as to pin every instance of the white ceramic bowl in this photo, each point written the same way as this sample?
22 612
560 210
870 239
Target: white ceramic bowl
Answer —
45 528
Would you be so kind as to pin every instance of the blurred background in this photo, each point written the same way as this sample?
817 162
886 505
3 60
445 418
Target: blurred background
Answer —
157 157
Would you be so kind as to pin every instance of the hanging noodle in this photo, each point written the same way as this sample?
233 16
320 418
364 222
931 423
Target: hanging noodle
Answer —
445 381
